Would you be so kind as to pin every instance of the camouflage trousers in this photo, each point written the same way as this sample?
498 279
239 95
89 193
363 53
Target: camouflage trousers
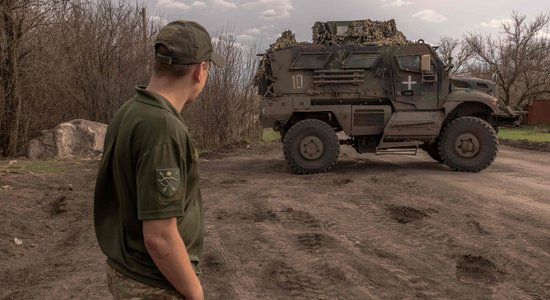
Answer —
123 287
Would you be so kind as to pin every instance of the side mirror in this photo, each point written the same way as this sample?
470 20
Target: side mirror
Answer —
428 75
425 63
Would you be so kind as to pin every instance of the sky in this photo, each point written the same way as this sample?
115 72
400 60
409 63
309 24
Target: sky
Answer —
262 21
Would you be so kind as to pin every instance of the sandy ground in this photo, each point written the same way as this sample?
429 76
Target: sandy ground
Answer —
375 227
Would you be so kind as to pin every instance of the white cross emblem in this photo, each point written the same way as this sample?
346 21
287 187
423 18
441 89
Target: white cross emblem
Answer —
409 83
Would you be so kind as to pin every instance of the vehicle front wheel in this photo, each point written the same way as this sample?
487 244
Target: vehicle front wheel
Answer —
468 144
311 146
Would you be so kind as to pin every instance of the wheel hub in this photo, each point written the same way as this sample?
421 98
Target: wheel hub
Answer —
467 145
311 147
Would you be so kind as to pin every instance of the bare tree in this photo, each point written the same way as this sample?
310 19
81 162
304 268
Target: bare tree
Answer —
534 79
108 47
67 59
518 58
456 52
19 22
228 110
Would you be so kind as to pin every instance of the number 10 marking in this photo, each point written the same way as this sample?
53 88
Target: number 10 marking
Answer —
297 81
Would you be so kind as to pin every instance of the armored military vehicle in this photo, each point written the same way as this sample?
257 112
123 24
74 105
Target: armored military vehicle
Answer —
388 95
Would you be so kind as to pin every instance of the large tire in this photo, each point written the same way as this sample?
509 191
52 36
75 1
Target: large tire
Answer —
468 144
311 146
433 151
282 132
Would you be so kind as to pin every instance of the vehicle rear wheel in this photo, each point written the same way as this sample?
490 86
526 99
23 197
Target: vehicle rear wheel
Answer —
282 132
433 151
468 144
311 146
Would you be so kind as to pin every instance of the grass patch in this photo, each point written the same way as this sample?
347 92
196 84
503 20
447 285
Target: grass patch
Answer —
530 133
270 135
32 166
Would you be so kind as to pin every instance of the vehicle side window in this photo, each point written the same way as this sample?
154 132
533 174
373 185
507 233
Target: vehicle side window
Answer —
409 63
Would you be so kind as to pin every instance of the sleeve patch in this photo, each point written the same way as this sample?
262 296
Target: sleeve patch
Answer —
168 181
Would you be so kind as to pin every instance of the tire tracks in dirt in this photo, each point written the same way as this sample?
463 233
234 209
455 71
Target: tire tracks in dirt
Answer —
375 227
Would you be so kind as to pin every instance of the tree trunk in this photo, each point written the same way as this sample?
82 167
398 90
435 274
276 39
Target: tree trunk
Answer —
11 114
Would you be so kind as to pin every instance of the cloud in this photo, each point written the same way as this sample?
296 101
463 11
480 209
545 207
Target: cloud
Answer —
274 14
258 30
179 5
173 4
495 23
273 9
543 35
430 15
396 3
253 31
158 20
199 4
245 37
227 42
225 4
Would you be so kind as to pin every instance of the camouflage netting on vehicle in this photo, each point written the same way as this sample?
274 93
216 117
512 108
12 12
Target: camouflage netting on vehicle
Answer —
286 40
360 32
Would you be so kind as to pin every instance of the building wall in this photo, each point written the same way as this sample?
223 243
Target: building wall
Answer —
538 112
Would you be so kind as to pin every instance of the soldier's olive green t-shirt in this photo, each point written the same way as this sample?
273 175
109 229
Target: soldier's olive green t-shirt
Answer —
149 170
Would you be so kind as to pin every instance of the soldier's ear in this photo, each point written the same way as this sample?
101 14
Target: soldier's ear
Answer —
198 71
196 74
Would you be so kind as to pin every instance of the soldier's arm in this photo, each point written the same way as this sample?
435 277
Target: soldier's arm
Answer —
168 251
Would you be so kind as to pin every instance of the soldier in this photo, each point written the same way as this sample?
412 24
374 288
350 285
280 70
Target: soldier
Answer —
147 205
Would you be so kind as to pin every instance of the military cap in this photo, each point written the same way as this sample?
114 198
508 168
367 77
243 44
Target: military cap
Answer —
188 43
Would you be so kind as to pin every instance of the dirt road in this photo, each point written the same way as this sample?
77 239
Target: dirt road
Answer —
375 227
